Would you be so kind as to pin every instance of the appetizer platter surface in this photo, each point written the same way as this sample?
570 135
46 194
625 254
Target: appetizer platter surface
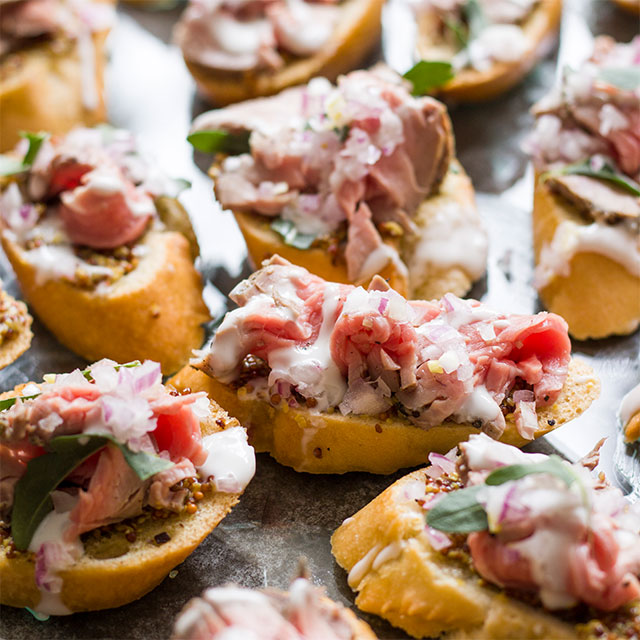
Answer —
285 515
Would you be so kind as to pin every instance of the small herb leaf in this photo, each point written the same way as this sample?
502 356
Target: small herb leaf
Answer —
626 78
428 74
290 235
7 403
35 142
216 141
144 464
553 465
458 512
606 172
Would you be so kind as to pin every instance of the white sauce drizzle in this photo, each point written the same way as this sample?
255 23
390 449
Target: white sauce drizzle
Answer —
630 405
478 404
615 242
53 262
390 552
239 37
231 461
362 567
453 237
378 259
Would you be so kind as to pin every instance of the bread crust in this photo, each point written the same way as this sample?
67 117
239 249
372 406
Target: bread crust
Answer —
97 582
13 347
139 317
262 243
357 31
470 85
333 443
41 90
599 297
419 589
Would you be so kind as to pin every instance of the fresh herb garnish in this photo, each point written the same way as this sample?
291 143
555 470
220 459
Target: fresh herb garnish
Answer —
290 235
32 498
10 166
7 403
626 78
216 141
428 74
606 172
458 512
553 465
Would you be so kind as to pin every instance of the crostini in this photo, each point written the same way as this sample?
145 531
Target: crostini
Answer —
330 378
52 63
475 50
497 544
95 236
302 613
350 181
586 209
242 49
15 328
109 480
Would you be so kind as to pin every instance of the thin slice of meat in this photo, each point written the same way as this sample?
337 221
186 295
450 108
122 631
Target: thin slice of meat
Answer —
363 240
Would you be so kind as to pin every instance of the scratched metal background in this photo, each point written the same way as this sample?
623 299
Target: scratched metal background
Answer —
284 515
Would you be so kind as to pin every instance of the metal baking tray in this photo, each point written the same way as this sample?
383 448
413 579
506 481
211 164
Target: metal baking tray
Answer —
284 515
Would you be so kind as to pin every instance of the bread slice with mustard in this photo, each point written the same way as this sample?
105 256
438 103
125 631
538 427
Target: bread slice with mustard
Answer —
435 583
347 187
324 46
489 47
325 382
124 286
52 75
15 328
122 558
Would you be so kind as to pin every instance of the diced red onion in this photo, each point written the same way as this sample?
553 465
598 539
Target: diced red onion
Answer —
437 539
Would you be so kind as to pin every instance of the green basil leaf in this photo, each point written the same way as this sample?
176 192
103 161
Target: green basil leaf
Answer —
144 464
458 512
290 235
553 465
606 172
32 497
35 142
626 78
216 141
10 166
7 403
428 74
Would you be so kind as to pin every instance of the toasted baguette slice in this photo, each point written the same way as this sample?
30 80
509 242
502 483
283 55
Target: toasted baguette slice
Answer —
599 297
18 341
333 443
456 190
357 32
470 85
155 312
114 571
41 89
399 576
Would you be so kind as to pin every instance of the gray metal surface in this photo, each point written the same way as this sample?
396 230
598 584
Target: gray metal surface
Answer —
283 514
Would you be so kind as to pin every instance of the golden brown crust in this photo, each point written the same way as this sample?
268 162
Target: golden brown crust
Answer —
357 32
138 317
96 582
262 243
599 297
470 85
41 90
419 589
333 443
12 347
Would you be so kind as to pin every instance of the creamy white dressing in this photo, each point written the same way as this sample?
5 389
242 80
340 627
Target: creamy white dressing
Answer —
478 404
53 262
362 567
615 242
630 405
238 37
312 368
390 552
231 461
453 237
378 259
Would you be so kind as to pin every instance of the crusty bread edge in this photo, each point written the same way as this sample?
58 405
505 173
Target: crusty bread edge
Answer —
139 317
421 591
333 443
93 584
357 32
45 92
12 348
598 297
262 243
470 85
